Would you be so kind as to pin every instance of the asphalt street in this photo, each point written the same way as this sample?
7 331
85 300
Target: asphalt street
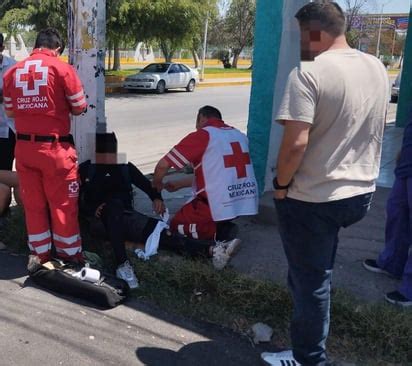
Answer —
147 125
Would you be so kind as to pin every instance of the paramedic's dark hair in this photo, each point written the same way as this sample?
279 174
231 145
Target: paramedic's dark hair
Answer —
49 38
328 14
210 112
1 39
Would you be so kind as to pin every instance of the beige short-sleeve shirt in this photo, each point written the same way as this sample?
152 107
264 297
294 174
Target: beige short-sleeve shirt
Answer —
343 94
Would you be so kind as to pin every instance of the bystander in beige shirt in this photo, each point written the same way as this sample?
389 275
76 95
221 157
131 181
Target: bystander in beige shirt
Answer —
344 95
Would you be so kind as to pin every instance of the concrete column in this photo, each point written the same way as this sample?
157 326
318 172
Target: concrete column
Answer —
268 33
277 52
405 93
86 34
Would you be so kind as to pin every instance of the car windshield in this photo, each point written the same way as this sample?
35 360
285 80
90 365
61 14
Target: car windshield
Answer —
156 68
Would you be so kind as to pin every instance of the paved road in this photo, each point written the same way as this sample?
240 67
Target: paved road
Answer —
147 125
38 328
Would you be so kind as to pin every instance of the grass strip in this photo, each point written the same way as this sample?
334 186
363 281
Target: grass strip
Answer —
368 334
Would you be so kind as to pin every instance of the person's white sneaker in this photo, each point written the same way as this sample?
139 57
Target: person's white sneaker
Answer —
223 251
284 358
232 246
220 258
126 272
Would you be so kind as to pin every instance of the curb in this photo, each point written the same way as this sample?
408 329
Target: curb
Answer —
119 89
233 83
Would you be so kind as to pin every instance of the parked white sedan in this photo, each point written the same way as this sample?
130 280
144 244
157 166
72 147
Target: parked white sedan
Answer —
163 76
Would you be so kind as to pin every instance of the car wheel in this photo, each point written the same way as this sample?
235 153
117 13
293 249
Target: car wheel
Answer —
191 86
161 87
394 99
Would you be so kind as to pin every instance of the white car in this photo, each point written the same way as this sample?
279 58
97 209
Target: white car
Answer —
163 76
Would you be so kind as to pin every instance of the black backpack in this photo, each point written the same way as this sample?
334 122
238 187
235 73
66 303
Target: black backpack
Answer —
108 292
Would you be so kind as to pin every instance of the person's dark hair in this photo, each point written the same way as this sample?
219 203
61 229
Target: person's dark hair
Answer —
210 112
328 14
1 39
49 38
106 143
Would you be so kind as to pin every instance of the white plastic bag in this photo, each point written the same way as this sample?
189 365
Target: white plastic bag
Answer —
152 242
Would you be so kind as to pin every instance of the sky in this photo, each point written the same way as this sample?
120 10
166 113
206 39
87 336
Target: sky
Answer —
394 6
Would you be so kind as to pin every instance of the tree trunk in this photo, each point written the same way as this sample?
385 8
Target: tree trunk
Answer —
109 50
167 51
116 56
195 58
236 54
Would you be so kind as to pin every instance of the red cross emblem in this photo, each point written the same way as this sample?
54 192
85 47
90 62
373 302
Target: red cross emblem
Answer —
31 77
74 187
238 160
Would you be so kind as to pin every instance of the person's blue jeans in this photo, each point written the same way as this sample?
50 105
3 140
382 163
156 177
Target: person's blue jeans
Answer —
309 233
395 258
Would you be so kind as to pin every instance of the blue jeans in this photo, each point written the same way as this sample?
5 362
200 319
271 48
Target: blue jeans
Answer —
395 258
309 233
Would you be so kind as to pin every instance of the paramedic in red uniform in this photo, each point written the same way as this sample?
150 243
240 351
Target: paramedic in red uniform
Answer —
224 184
40 93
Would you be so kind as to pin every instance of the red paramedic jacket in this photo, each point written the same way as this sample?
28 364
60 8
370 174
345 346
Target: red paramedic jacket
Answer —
42 91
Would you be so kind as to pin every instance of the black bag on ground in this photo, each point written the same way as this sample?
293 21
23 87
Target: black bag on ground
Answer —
108 292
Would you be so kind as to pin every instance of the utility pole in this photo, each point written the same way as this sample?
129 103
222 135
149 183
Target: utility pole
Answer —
393 41
378 45
202 74
86 34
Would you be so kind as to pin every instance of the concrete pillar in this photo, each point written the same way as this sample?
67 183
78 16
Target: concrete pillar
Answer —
405 93
86 34
276 53
268 33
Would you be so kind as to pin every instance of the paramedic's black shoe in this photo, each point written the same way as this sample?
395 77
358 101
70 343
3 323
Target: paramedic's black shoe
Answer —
125 272
34 264
396 298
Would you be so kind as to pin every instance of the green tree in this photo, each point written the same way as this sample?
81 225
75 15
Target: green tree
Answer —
118 26
207 10
37 13
173 24
6 5
239 25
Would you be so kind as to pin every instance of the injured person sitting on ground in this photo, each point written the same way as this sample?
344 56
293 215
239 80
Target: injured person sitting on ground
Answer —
224 184
106 201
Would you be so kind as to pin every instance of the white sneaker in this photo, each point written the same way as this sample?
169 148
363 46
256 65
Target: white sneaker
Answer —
284 358
126 272
223 251
232 246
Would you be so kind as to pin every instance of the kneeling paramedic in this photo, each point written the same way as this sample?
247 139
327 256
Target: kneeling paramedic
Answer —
224 184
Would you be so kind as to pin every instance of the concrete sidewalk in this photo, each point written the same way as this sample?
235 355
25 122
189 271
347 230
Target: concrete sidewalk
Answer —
261 255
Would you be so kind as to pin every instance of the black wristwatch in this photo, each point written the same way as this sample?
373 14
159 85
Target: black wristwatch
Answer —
277 186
